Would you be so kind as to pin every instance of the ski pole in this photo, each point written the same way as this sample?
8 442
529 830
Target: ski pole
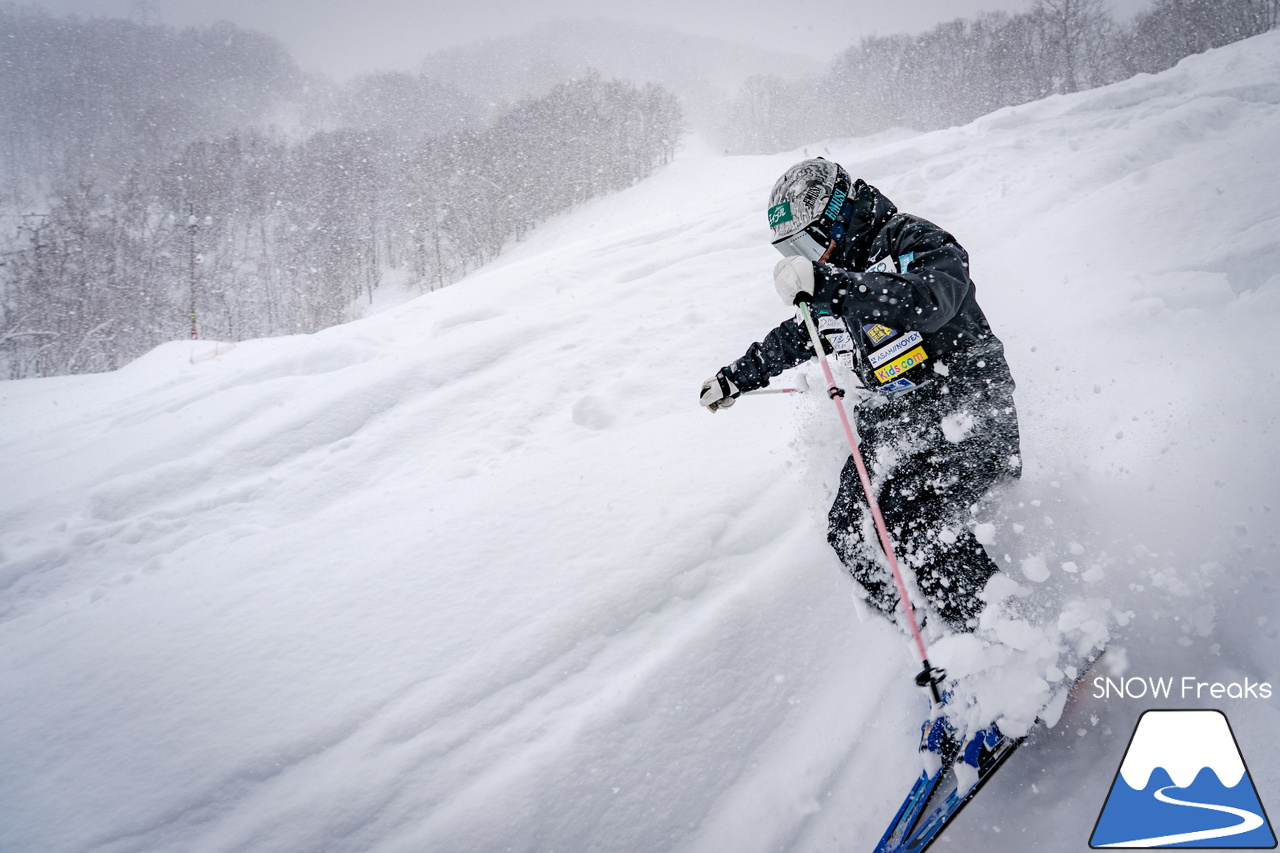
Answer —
802 385
929 676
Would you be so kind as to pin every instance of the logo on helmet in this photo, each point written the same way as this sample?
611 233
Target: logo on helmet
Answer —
837 201
779 214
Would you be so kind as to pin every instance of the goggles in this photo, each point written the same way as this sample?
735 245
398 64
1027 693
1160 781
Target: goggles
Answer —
811 242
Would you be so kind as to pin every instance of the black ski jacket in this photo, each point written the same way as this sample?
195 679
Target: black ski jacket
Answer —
925 287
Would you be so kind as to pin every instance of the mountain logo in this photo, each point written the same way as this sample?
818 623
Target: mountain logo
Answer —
1183 783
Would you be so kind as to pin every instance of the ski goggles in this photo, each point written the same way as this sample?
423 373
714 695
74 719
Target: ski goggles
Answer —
810 242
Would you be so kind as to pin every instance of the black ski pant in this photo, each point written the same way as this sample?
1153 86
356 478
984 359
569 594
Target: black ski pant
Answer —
930 460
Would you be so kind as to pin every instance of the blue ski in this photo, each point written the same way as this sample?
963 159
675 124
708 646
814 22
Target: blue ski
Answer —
935 800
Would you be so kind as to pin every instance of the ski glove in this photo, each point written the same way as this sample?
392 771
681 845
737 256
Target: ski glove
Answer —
793 276
718 392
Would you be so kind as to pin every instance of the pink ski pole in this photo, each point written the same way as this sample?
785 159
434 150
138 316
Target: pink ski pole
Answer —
929 676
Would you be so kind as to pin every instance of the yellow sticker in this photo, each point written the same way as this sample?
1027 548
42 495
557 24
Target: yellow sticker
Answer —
894 369
878 333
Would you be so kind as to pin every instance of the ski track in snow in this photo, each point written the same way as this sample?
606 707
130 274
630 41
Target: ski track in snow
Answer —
477 573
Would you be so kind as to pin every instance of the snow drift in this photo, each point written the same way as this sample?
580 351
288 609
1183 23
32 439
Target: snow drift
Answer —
478 574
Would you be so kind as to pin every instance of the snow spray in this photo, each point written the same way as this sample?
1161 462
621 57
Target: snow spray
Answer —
929 676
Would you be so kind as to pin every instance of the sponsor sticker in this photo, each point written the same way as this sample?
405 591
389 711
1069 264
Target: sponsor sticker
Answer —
898 385
898 347
779 214
894 369
837 201
885 264
878 334
841 342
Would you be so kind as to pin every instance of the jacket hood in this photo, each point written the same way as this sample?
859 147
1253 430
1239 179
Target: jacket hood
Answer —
871 210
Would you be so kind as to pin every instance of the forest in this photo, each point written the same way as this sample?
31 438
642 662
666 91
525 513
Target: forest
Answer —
158 184
962 69
162 184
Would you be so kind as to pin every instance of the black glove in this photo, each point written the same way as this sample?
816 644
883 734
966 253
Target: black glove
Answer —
718 392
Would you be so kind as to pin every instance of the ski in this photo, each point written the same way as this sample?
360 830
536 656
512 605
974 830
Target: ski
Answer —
961 770
935 800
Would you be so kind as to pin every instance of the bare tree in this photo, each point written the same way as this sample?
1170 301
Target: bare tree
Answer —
1074 38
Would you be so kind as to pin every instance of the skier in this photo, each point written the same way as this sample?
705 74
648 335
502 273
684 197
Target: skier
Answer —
892 299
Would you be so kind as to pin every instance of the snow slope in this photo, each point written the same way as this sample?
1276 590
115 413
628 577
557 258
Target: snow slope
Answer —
478 574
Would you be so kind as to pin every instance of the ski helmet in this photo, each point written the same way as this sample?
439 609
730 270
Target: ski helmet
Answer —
809 207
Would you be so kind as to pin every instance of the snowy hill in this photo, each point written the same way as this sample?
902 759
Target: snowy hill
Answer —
478 574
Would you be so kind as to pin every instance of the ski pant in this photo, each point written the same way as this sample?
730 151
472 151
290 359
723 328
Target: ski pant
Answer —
930 460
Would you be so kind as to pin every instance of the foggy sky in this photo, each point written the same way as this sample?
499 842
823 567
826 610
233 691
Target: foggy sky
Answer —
347 37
